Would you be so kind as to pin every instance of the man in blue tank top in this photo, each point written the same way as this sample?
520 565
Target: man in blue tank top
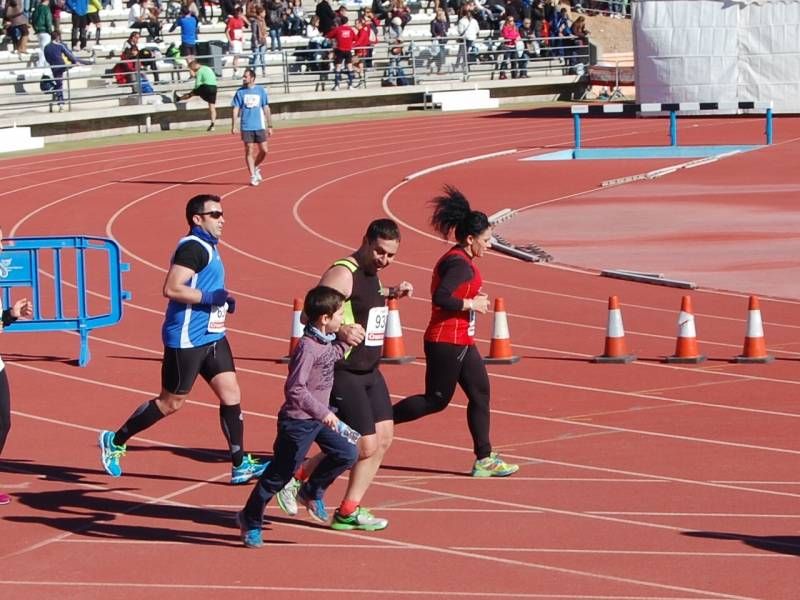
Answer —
194 342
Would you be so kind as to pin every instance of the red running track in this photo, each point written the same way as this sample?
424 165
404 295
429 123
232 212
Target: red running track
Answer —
637 481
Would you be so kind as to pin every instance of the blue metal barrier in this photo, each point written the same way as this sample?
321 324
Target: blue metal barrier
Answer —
21 267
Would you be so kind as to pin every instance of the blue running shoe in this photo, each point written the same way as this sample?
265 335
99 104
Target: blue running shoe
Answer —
250 537
314 506
249 469
110 453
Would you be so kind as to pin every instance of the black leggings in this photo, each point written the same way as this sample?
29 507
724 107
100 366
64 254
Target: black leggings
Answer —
446 365
5 409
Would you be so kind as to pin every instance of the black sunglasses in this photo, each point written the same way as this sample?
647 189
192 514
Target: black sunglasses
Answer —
214 214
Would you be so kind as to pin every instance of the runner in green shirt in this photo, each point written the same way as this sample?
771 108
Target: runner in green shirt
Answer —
205 86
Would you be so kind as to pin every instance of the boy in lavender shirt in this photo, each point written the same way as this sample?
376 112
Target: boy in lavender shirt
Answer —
305 417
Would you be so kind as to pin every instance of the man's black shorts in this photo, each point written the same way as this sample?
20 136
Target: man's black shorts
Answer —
254 137
342 56
181 366
93 17
361 399
206 92
188 50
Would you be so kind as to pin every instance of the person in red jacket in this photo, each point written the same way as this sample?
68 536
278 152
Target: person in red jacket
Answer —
365 39
450 353
344 38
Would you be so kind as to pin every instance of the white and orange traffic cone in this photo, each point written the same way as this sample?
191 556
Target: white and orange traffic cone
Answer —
297 329
500 346
686 349
394 351
755 346
615 351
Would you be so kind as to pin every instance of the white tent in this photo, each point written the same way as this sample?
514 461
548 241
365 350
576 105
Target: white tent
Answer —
718 51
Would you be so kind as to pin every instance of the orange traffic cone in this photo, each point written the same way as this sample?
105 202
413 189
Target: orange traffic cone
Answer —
297 329
755 347
394 352
500 346
615 350
686 350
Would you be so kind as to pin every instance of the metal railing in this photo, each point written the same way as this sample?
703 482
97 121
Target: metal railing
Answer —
424 61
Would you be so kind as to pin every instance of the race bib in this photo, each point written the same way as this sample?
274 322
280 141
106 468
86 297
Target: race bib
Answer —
216 319
252 100
376 326
471 327
238 34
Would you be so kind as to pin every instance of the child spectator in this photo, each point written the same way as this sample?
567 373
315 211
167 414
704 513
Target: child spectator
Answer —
305 417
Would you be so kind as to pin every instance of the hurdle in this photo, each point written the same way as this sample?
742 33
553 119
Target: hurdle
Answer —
22 268
673 149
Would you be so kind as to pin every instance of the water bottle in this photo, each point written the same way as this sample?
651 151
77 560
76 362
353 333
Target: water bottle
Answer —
347 432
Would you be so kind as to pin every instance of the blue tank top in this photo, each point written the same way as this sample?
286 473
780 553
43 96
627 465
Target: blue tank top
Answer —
193 325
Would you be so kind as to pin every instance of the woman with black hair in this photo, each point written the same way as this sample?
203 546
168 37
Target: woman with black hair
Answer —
450 352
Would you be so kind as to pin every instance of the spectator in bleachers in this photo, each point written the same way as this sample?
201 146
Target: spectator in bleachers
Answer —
141 17
399 10
439 27
362 58
234 30
56 8
562 30
468 30
537 17
131 42
258 38
530 46
372 20
276 17
514 9
344 38
379 10
42 23
79 10
510 36
580 49
616 9
60 58
125 69
189 28
550 8
296 18
326 16
93 17
17 28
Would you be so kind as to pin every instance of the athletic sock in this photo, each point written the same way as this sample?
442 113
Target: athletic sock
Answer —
301 474
350 78
232 423
147 415
347 507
